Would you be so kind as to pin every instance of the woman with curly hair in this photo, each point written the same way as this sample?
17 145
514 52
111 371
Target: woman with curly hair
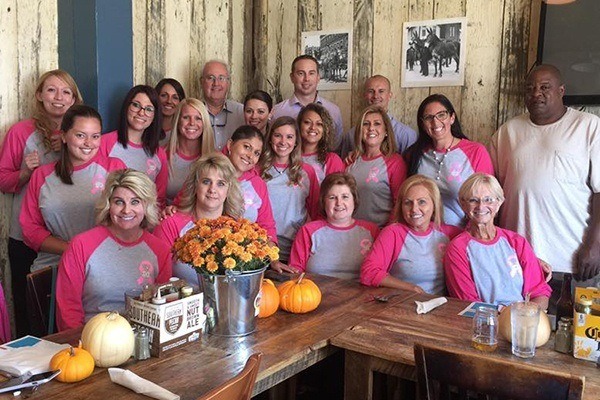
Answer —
316 132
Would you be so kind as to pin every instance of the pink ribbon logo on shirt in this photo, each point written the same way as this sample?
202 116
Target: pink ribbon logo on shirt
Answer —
515 268
372 177
152 169
98 183
365 246
454 172
250 200
145 269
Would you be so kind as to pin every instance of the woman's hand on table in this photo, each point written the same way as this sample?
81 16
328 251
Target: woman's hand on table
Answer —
280 267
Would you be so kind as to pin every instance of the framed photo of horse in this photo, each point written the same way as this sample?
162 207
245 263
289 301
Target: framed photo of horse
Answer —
433 52
332 49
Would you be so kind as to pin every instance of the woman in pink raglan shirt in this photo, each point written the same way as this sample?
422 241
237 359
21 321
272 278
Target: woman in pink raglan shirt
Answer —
194 138
27 145
378 169
316 132
60 199
292 184
443 153
335 246
118 255
136 141
408 254
487 263
210 190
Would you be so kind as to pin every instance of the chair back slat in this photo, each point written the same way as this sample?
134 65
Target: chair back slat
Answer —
469 375
240 386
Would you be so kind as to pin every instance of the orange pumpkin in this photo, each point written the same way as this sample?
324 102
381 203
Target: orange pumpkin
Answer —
269 299
75 364
300 296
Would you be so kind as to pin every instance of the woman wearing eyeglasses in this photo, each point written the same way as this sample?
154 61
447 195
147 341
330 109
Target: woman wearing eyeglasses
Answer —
170 93
487 263
443 153
136 141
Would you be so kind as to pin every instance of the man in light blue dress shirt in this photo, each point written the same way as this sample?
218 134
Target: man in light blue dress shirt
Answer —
305 77
225 115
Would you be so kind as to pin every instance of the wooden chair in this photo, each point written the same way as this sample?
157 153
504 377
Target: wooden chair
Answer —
444 373
41 300
240 386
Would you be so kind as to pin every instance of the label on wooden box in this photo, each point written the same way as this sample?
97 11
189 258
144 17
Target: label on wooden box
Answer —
170 325
586 339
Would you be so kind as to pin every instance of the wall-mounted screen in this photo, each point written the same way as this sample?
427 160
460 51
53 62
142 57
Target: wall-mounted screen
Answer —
570 40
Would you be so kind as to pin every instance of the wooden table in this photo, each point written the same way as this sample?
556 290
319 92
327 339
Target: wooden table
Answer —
384 343
289 342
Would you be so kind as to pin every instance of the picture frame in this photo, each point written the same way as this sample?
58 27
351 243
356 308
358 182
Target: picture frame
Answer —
333 51
434 52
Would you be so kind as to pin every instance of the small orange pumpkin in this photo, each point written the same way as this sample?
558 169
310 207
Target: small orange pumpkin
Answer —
75 364
269 299
300 296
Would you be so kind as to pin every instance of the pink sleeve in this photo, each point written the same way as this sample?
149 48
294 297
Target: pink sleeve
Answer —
301 248
534 282
165 265
31 219
115 164
457 269
162 178
11 158
396 169
312 201
450 230
69 284
379 261
265 213
334 164
480 159
167 230
107 142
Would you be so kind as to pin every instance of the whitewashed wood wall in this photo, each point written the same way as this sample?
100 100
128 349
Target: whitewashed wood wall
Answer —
260 38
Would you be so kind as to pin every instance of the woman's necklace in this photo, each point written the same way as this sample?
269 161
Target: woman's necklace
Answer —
441 160
280 171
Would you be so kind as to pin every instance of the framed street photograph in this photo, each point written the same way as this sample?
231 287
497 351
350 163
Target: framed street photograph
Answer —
333 51
433 52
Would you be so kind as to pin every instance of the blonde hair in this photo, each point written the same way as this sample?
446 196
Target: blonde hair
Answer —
207 139
476 180
43 123
140 184
234 203
434 193
388 146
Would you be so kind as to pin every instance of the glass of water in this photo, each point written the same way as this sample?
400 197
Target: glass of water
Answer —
524 320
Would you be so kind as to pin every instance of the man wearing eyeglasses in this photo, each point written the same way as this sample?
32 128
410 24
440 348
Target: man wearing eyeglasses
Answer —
225 115
305 77
548 161
378 91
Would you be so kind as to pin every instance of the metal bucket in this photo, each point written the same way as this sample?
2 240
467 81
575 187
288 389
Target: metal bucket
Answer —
231 302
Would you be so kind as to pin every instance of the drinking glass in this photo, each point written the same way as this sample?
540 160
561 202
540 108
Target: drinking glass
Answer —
485 329
524 319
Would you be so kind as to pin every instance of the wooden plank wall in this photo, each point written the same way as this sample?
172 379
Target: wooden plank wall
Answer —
498 37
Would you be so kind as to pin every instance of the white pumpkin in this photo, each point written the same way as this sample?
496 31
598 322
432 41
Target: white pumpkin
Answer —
109 339
543 332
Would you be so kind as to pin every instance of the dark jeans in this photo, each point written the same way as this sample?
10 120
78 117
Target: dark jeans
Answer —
21 257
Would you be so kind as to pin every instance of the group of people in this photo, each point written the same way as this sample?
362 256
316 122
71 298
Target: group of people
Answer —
382 203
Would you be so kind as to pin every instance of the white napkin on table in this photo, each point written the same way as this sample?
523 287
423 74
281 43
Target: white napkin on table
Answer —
33 358
423 307
139 385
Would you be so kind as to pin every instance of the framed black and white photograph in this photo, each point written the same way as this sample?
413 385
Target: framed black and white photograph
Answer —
433 52
333 51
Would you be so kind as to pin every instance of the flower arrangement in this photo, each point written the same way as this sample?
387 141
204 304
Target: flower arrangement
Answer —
214 246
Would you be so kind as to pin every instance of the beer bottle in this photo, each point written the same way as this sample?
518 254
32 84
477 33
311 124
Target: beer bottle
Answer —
564 306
